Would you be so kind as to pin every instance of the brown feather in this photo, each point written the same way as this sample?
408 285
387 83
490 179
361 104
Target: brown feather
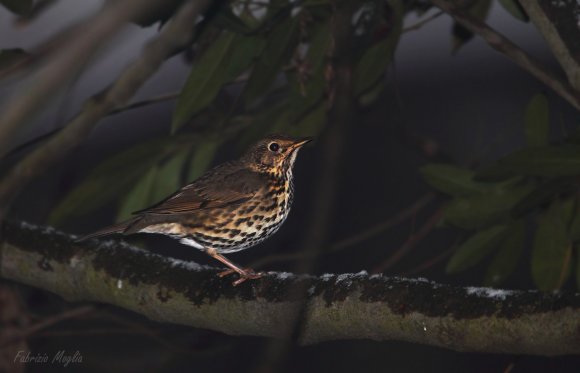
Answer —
118 228
213 190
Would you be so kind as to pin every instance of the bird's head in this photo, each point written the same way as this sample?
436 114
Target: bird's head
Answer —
274 153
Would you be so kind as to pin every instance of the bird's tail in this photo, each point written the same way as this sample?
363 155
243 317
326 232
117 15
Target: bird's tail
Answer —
111 229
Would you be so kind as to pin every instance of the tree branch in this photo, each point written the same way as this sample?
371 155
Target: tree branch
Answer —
66 61
559 22
174 36
505 46
347 306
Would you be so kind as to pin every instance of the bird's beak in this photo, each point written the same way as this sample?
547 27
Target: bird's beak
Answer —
301 142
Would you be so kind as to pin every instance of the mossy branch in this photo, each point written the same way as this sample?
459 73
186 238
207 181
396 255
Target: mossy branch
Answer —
347 306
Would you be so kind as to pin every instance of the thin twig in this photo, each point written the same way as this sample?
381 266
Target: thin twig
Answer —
368 233
512 51
428 263
149 101
49 321
411 242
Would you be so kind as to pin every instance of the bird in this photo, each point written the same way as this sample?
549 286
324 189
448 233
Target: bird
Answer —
232 207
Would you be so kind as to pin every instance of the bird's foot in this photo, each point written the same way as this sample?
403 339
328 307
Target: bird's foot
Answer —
245 274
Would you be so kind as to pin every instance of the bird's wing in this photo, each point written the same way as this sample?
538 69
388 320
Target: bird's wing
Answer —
213 190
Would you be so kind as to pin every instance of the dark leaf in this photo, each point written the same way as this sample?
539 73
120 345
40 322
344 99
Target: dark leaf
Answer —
537 121
311 124
478 9
574 230
484 210
515 9
547 161
229 56
319 45
109 180
279 48
226 19
452 180
371 95
168 177
245 52
508 255
477 247
260 123
373 63
201 158
544 193
139 196
551 252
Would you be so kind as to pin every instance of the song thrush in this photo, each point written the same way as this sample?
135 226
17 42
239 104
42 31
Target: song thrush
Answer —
232 207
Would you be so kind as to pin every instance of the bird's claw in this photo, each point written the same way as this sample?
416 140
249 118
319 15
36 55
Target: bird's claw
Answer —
245 274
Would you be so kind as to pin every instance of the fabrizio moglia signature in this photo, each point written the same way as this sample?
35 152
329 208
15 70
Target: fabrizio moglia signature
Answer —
61 357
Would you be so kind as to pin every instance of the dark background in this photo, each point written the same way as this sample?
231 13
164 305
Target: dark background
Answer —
470 104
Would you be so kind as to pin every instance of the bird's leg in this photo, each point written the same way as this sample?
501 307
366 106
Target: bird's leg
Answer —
245 274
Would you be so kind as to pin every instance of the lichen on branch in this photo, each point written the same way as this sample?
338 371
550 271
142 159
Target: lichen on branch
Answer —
345 306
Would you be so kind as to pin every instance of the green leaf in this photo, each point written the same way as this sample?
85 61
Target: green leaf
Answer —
508 255
311 124
551 251
139 196
246 50
169 176
229 56
201 158
372 65
486 209
319 45
109 180
19 7
477 247
226 19
537 121
515 9
478 9
544 193
547 161
452 180
279 48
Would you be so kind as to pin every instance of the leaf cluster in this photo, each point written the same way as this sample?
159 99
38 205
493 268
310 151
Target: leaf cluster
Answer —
257 67
495 204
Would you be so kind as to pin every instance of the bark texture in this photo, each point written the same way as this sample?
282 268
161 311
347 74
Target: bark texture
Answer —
345 306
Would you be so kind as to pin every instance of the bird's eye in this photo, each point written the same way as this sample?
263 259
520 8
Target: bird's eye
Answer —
274 147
